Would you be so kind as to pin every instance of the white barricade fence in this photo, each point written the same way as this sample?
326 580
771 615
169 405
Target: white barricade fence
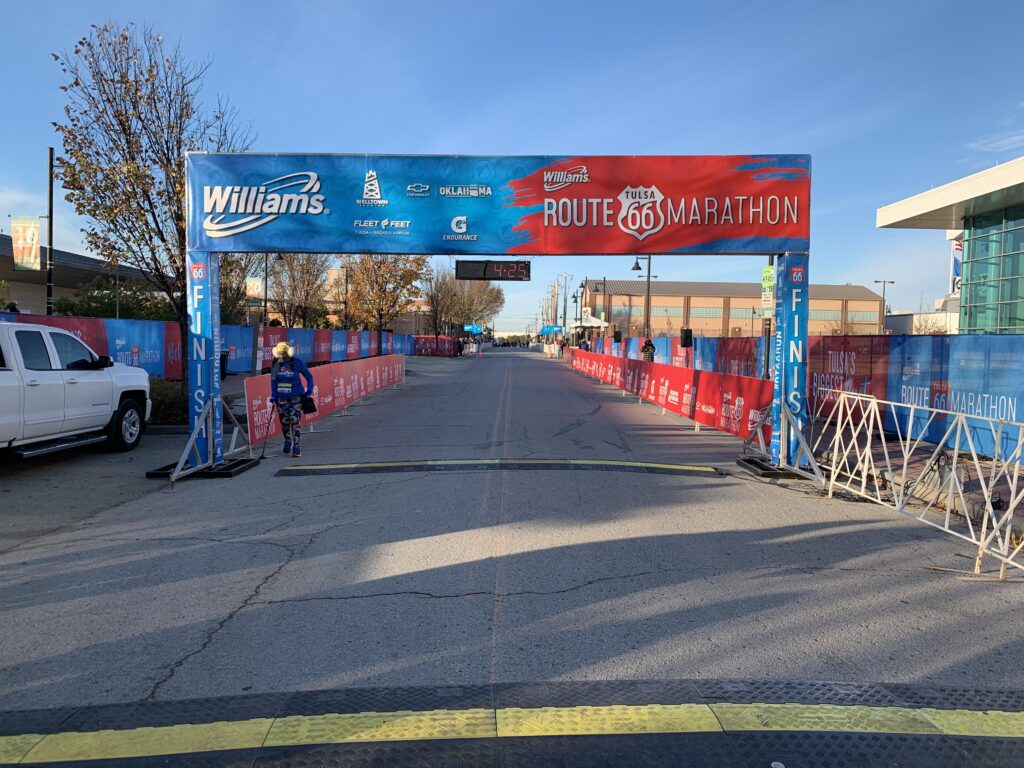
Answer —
957 472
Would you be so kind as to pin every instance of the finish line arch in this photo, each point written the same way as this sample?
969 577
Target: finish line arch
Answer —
570 205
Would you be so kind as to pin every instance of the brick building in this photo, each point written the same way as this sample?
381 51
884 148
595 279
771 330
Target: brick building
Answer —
724 309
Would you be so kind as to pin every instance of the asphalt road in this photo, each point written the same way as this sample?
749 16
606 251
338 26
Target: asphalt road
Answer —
265 583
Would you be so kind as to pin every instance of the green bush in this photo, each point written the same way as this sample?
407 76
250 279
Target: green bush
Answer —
170 404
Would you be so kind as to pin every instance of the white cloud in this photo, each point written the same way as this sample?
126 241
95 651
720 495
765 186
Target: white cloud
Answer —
999 142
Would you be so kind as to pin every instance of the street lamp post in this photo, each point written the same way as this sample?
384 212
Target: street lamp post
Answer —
885 307
647 294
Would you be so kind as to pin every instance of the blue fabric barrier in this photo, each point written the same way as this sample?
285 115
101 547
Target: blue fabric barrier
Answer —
663 350
705 353
918 375
364 344
339 343
236 340
302 340
986 378
633 349
137 342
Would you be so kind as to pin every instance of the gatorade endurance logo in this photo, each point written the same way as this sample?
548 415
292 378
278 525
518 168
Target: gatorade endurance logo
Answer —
232 210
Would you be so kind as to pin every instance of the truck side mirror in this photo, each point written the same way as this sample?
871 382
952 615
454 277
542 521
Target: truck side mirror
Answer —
104 362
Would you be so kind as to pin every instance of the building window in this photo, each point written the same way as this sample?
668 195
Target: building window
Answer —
863 317
824 314
666 311
743 312
705 311
992 293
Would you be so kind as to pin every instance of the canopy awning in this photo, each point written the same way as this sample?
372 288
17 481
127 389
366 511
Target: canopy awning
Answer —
589 322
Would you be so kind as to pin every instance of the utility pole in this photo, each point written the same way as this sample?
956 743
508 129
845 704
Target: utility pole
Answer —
49 241
566 277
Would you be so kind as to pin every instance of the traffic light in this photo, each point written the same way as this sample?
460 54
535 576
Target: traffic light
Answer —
617 336
686 337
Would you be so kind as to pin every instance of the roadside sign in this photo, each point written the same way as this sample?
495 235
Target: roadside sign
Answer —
767 287
25 242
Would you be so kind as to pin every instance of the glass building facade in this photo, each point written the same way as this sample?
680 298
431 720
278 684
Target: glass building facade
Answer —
992 292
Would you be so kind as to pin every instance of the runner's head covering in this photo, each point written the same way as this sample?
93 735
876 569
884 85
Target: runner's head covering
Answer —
283 350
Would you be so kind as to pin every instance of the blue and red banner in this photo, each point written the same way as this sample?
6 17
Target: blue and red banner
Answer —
582 204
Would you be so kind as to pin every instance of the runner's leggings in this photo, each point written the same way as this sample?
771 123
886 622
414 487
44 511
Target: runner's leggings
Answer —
289 410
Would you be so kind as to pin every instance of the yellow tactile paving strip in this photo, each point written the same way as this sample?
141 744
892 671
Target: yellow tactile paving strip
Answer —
485 723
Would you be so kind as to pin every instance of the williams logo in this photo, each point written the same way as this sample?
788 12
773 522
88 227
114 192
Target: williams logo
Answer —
554 180
233 210
641 214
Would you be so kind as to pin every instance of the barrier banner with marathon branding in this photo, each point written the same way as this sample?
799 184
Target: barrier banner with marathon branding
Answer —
335 386
733 404
270 338
496 205
138 343
321 346
91 330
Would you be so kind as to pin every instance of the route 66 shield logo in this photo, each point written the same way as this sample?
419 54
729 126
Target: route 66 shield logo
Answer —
641 214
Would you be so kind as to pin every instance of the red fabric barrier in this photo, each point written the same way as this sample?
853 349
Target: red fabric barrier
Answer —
321 346
374 343
848 364
172 351
444 346
269 339
737 356
335 386
91 330
730 403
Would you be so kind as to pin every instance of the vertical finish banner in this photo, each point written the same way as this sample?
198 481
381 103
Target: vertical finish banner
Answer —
25 239
789 353
204 373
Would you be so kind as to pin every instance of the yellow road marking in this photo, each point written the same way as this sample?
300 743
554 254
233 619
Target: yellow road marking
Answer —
486 723
821 717
427 463
148 742
964 722
592 721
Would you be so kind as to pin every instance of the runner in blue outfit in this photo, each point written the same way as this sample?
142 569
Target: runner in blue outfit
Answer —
286 378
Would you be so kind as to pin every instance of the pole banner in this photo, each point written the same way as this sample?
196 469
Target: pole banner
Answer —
566 205
203 282
25 241
790 352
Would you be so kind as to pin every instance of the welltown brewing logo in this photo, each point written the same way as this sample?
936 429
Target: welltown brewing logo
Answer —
232 210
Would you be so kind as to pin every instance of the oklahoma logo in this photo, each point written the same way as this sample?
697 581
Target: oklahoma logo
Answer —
641 214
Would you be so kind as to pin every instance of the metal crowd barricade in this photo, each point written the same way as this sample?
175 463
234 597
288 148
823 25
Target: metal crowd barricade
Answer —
877 449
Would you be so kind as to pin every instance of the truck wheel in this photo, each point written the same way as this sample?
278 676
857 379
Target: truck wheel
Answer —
126 428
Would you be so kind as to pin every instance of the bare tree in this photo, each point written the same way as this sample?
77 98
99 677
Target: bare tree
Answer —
477 301
299 285
235 269
929 326
133 111
382 286
439 289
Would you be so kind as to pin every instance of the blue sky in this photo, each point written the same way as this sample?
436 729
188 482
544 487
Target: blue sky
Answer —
889 98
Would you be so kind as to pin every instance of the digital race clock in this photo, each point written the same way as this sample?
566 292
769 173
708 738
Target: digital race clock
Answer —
492 270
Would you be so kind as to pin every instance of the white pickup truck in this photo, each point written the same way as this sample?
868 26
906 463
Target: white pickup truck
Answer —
57 393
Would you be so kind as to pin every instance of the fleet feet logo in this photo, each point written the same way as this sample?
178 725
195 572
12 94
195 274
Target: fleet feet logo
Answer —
232 210
641 214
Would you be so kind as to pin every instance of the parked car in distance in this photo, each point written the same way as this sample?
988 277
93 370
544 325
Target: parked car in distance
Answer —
56 393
